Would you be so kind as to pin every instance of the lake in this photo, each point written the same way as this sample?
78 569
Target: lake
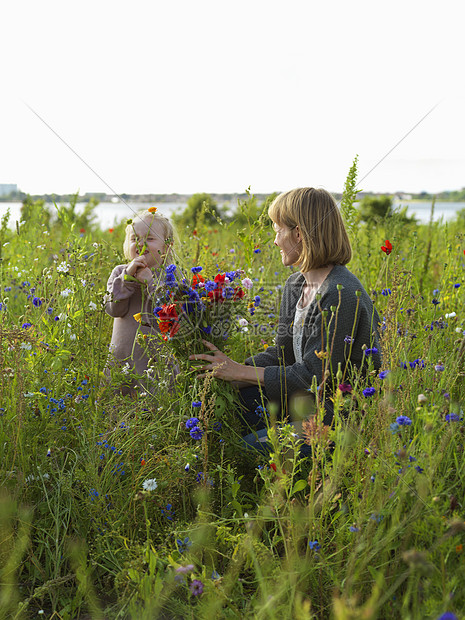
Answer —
108 213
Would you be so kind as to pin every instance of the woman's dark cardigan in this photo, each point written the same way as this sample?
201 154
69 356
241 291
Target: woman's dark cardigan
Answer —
355 318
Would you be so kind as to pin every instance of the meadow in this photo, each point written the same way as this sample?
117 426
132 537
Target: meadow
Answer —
110 508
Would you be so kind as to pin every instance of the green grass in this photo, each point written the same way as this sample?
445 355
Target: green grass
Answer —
383 510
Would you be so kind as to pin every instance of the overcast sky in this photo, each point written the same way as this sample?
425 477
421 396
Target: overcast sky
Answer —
216 96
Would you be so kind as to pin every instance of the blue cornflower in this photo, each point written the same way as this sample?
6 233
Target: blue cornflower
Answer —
157 310
167 512
456 285
210 285
435 301
231 275
419 469
260 411
191 423
196 433
348 340
257 251
49 310
368 392
26 325
227 292
353 529
386 292
196 403
439 367
372 351
183 545
257 300
383 374
314 545
196 269
452 417
170 269
403 420
37 302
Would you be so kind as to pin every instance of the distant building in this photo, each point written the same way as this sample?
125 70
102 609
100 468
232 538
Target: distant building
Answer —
7 188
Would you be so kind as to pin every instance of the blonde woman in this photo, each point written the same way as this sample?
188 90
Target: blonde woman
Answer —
313 338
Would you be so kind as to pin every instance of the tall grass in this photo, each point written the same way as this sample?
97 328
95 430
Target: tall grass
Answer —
371 526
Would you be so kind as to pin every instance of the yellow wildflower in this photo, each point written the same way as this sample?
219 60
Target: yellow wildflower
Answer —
138 317
152 209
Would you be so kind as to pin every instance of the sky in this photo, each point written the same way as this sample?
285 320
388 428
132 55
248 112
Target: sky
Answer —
219 95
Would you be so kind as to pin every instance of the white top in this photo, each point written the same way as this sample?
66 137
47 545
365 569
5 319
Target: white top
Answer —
298 328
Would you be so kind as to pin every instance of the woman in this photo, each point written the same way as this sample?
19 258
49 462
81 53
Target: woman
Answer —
326 316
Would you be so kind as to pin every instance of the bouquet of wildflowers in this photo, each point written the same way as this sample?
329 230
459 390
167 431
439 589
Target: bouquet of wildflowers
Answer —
212 309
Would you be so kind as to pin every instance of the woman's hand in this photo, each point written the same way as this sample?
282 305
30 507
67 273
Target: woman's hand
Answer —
222 366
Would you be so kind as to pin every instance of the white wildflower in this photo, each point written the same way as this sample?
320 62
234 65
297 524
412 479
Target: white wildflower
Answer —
125 369
63 267
92 305
72 336
66 292
243 322
26 346
247 283
450 315
83 282
150 484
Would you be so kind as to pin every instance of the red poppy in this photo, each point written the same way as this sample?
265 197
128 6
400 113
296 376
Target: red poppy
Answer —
387 249
196 279
273 467
168 320
194 232
110 230
82 230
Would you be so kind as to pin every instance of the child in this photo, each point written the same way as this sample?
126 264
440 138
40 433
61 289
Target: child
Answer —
132 293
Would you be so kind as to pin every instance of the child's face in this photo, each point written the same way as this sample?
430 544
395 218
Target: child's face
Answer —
147 239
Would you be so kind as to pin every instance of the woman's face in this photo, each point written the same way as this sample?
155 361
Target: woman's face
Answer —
147 239
289 242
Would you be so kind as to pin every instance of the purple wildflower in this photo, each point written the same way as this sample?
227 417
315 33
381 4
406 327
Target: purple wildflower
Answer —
196 587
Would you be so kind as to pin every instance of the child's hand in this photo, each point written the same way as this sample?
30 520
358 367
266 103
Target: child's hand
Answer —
144 275
136 265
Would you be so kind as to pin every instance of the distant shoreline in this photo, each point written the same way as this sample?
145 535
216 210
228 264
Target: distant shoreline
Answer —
452 196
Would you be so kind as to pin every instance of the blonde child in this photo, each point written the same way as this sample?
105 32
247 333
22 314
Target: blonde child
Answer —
132 292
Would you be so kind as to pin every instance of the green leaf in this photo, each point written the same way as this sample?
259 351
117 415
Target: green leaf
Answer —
299 486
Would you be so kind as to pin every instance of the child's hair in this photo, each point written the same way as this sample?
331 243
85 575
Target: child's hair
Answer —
315 212
150 216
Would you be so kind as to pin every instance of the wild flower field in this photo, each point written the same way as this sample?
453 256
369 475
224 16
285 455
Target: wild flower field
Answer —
111 508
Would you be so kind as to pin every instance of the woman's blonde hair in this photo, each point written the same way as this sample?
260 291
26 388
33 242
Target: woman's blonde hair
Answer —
150 217
315 212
